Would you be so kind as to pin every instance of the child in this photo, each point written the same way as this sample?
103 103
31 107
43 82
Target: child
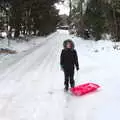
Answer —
68 61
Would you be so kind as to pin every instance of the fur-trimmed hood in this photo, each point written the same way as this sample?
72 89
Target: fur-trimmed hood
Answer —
68 41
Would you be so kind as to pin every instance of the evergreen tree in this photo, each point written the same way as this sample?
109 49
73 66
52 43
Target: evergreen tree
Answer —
77 17
112 10
115 5
95 18
28 16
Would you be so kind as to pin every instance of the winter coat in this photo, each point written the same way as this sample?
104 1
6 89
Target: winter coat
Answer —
69 59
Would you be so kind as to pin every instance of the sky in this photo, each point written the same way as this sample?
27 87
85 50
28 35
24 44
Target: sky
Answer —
64 8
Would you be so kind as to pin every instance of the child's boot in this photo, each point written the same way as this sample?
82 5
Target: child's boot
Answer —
72 82
66 85
66 89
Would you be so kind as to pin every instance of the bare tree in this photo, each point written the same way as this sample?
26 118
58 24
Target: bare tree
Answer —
70 6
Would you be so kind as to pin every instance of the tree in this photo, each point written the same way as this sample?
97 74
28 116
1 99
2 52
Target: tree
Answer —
113 18
95 18
28 16
116 19
70 5
78 12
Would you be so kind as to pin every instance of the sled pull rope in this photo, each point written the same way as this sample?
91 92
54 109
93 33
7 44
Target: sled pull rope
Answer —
76 77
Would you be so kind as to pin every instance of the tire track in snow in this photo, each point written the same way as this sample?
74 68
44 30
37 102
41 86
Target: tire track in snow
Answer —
46 54
49 55
25 56
24 61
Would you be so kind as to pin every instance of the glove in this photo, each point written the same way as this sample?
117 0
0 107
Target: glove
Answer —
62 67
77 68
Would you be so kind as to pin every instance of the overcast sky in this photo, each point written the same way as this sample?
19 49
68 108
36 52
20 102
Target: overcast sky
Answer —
64 8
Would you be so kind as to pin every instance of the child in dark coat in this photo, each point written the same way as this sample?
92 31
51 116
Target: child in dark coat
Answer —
68 61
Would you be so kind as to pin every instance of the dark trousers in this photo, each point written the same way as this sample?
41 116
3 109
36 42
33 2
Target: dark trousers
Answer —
69 77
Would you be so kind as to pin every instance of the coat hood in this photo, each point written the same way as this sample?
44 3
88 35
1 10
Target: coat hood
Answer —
68 41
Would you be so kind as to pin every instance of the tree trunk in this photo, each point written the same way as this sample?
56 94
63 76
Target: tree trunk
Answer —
115 27
70 6
17 32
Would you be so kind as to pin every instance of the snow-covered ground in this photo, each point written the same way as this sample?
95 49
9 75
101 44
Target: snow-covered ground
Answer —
31 86
22 48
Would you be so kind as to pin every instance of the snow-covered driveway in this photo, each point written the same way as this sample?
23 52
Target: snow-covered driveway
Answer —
32 88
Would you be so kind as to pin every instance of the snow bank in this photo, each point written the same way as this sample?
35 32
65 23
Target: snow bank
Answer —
22 48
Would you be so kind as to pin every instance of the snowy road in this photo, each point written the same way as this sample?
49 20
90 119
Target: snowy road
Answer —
32 88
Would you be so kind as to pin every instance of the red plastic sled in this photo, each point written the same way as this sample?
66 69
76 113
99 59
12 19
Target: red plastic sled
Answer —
84 89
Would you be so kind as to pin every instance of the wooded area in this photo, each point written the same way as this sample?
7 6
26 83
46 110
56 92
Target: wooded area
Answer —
87 18
28 17
95 18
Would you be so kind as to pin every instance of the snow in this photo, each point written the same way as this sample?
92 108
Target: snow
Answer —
20 45
22 48
3 34
31 87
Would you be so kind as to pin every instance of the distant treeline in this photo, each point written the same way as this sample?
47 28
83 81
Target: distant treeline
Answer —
28 17
95 18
